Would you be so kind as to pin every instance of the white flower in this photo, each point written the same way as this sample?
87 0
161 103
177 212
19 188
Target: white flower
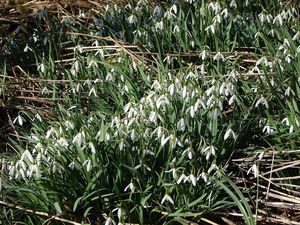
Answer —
27 48
181 124
171 89
93 92
210 28
208 151
88 164
20 120
268 129
34 169
132 19
231 100
263 101
291 130
156 86
233 4
27 156
62 142
92 147
174 9
229 133
218 56
192 179
286 121
159 25
189 151
181 178
176 29
130 187
38 117
164 140
41 67
204 177
69 125
72 165
203 56
110 221
92 63
173 171
289 91
167 198
79 139
254 170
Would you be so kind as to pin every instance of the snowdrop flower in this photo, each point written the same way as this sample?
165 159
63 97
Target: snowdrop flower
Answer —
218 56
278 19
88 164
233 4
78 48
181 124
62 142
142 166
92 147
268 129
191 110
174 9
184 92
213 167
164 140
296 36
203 55
93 92
72 165
208 151
262 60
119 212
286 121
69 125
153 117
132 19
56 167
34 169
174 173
190 152
100 52
199 103
167 198
288 58
229 133
159 25
192 179
41 67
181 178
176 29
162 101
217 19
27 48
110 221
20 120
204 177
210 28
130 187
289 91
156 86
254 170
171 89
79 139
92 63
263 101
291 130
26 155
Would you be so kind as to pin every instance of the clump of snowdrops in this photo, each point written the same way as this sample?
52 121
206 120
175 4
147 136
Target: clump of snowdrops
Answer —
148 136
